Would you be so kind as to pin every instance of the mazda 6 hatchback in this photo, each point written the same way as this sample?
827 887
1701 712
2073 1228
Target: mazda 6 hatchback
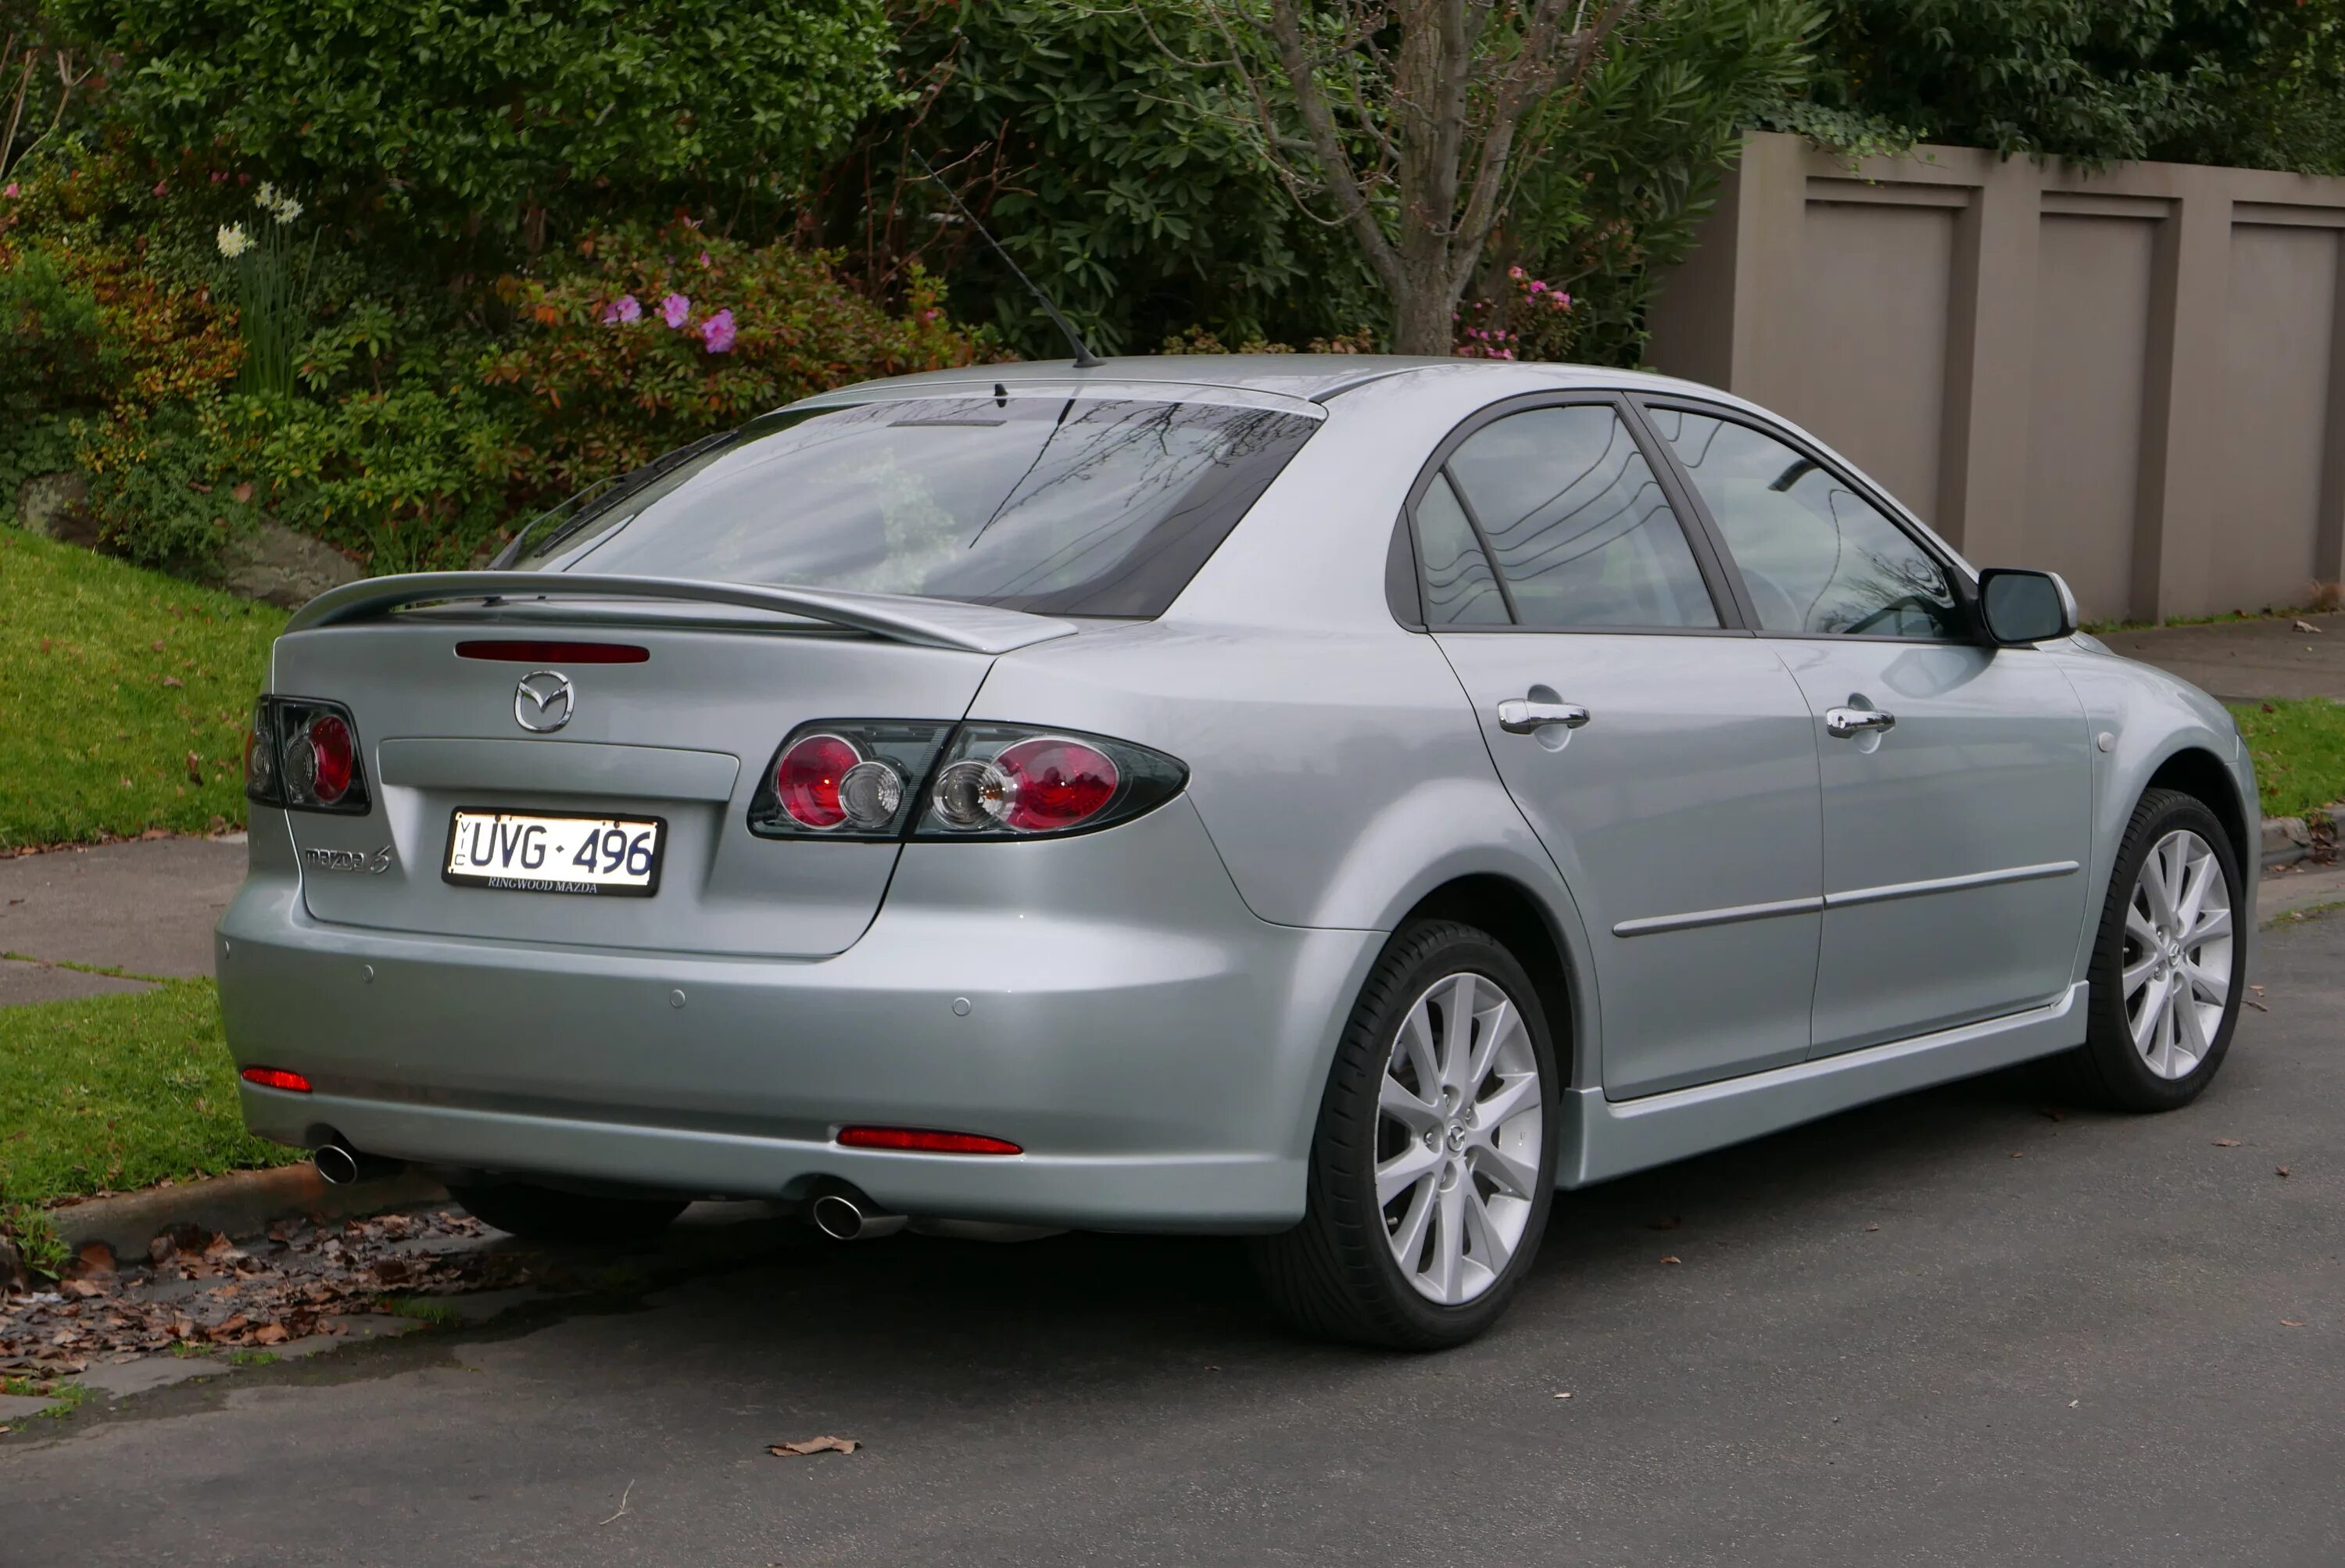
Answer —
1335 800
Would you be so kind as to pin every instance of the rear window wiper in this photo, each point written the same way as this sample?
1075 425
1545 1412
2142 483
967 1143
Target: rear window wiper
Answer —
601 495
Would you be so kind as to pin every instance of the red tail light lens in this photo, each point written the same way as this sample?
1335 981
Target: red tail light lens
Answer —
807 777
328 759
919 1140
1055 784
304 753
277 1078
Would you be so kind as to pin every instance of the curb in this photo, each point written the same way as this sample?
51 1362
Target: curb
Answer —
2288 840
240 1203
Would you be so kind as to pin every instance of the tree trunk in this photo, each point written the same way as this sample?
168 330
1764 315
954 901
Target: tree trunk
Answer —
1424 317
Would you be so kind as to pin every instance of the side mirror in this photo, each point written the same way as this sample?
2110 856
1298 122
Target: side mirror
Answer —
2019 607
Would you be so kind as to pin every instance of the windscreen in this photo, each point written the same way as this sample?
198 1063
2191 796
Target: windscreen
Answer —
1086 505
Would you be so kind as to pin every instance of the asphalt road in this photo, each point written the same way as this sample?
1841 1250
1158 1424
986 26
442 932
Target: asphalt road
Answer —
2070 1339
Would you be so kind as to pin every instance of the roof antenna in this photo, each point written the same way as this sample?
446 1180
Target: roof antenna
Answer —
1084 359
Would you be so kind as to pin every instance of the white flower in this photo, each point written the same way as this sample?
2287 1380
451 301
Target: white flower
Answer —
233 241
266 196
287 209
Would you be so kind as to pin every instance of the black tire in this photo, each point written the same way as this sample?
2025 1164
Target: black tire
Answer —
2107 1070
549 1213
1335 1275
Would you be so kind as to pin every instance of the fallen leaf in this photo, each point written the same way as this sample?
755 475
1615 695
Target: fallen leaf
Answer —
1673 1257
2291 1323
96 1260
1872 1228
813 1445
2227 1142
157 645
2283 1170
174 680
2257 989
242 493
271 1334
2072 1404
2017 1154
2307 626
1563 1396
2256 1005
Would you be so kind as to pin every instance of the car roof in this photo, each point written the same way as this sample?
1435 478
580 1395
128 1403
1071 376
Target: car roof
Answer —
1316 377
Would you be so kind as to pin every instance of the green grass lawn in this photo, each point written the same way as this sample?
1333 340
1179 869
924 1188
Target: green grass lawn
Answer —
119 1091
2299 745
111 678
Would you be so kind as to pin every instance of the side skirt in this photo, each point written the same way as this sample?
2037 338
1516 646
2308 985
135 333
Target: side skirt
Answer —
1615 1137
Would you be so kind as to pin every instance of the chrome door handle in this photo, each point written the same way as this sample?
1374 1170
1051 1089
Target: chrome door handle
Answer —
1845 723
1520 716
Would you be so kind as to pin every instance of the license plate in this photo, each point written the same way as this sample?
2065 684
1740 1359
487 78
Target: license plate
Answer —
548 852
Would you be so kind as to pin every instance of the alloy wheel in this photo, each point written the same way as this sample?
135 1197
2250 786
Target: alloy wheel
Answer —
1461 1125
2176 966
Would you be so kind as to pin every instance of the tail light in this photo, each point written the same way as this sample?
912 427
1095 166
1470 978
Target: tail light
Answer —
921 1140
872 779
277 1078
303 752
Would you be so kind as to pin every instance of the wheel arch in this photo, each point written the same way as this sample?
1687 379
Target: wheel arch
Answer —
1524 925
2194 771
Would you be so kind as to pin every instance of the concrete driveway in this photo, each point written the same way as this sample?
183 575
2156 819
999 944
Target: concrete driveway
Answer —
1955 1327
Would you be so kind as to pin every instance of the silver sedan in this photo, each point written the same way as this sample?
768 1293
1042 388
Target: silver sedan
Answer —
1336 800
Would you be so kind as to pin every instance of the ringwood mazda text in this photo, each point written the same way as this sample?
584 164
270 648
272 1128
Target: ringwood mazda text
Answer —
1335 800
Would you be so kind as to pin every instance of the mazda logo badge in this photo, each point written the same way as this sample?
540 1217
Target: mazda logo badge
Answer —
542 702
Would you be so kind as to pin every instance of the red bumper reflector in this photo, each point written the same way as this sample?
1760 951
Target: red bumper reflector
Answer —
277 1078
923 1142
554 653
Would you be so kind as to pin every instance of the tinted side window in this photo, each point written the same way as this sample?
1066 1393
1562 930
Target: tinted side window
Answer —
1815 555
1577 521
1459 590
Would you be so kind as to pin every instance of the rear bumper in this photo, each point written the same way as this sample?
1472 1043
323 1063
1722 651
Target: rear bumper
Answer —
1157 1051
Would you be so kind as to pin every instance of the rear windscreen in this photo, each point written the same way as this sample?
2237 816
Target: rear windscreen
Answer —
1091 506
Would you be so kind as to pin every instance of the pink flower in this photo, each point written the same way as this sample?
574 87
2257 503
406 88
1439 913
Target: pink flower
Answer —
930 314
219 175
1538 286
161 185
717 332
704 259
675 310
626 307
11 191
1515 273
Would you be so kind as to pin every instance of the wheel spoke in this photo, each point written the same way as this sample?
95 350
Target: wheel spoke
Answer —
1495 1026
1403 1105
2212 924
2131 980
1510 1174
1458 1034
2155 887
2146 1023
1517 1093
1416 1047
2191 1028
1490 1247
1409 1240
1414 1164
2138 926
1449 1242
2198 876
2206 983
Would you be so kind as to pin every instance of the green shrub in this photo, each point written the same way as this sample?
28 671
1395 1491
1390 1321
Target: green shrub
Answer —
157 486
603 373
503 123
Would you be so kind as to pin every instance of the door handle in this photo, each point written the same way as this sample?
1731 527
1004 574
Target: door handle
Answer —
1520 716
1846 723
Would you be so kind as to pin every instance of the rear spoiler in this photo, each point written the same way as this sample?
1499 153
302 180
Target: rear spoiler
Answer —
899 617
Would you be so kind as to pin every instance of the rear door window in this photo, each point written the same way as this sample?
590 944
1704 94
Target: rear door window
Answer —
1575 521
1070 505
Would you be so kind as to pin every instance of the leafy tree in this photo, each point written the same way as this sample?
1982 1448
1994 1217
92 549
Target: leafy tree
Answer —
2253 81
1090 152
502 120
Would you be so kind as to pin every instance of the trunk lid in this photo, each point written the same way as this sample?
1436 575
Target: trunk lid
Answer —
684 736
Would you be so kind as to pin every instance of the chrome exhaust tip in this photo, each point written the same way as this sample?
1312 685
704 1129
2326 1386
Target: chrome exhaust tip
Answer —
336 1165
842 1217
340 1165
